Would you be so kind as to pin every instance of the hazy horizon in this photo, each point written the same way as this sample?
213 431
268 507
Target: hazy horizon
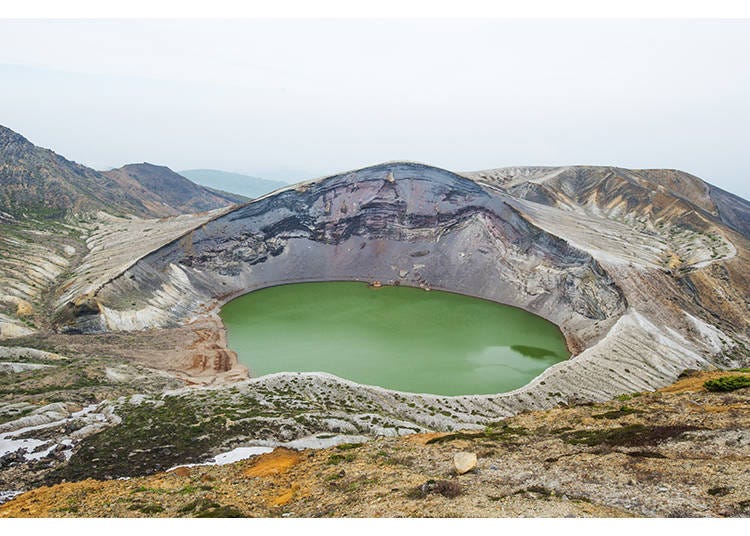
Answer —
296 99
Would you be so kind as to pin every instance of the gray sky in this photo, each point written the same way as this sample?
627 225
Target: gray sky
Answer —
298 99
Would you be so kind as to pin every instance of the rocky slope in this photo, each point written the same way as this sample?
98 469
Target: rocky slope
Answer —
37 183
643 198
398 223
678 452
666 220
54 212
165 193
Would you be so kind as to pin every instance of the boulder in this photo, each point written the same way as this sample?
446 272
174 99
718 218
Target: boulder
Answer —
463 462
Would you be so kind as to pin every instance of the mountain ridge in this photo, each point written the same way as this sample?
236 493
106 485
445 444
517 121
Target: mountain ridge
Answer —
167 193
39 183
606 186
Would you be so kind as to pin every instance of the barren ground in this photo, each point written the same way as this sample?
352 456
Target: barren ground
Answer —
681 451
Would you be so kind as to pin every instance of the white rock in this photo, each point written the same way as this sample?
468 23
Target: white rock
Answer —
464 462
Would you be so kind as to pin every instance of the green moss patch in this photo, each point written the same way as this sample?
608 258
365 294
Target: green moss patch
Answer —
149 509
154 436
727 383
349 446
335 459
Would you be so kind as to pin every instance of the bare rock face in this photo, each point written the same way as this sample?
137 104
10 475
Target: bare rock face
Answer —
463 462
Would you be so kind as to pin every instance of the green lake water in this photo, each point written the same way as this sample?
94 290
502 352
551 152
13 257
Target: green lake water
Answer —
395 337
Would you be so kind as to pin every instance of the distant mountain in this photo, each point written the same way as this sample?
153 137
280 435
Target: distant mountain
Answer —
660 194
236 183
166 193
36 182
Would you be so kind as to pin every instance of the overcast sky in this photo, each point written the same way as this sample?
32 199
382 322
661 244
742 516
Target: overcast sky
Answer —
298 99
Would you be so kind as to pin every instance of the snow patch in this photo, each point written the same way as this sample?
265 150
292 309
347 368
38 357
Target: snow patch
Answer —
5 496
235 455
318 442
55 415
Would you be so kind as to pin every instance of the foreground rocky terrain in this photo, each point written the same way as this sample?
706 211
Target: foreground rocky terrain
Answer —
678 452
114 361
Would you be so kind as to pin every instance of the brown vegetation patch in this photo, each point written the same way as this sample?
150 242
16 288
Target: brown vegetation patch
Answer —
694 382
274 463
